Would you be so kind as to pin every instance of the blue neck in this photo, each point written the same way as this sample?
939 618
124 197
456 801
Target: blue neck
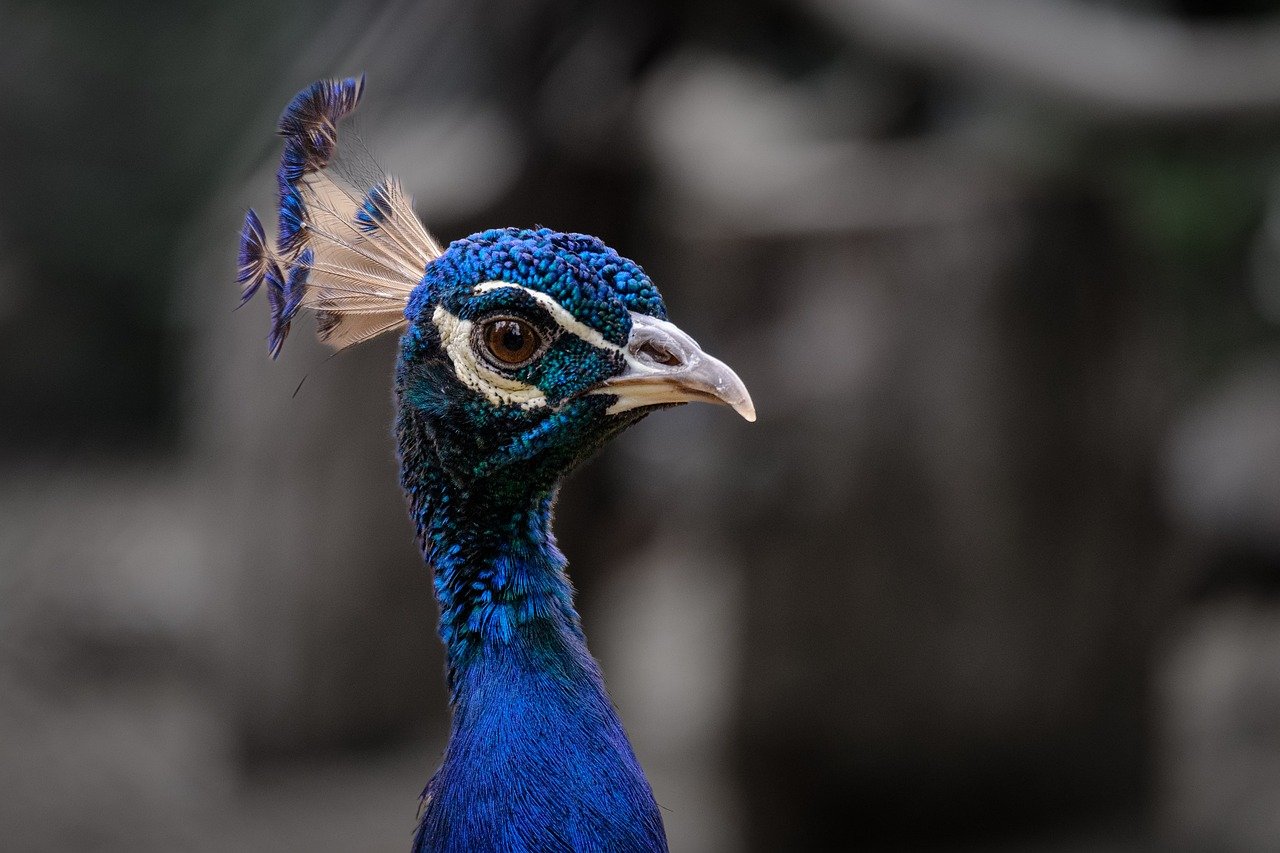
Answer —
499 578
537 758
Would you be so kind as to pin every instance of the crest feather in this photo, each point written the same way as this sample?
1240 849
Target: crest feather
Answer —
353 261
254 258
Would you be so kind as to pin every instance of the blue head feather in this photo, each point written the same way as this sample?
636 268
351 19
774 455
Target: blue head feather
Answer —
290 234
312 117
590 280
254 257
309 125
374 210
284 295
276 301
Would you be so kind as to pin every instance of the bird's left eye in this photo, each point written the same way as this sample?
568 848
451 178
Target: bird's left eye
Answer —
509 341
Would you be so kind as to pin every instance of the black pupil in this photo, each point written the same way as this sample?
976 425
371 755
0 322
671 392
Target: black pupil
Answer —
512 337
510 341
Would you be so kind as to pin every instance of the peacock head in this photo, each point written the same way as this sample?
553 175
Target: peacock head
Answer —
522 350
528 349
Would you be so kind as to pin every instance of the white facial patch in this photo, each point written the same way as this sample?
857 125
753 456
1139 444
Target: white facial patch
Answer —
558 313
455 337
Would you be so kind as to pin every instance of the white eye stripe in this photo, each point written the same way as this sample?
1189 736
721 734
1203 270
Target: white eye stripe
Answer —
455 337
558 313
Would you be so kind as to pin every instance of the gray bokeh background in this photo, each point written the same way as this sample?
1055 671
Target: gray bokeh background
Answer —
997 569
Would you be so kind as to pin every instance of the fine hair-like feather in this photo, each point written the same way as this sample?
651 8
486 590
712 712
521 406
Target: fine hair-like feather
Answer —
352 260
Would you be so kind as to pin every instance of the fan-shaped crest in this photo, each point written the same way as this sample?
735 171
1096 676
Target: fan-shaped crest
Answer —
352 260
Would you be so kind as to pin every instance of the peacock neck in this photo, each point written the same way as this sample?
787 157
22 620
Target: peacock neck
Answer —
499 578
537 758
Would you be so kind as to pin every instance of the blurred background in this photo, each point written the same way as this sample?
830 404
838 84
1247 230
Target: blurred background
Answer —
997 569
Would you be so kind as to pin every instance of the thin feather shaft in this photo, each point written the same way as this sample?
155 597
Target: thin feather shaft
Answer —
396 260
360 328
399 288
399 221
406 271
388 258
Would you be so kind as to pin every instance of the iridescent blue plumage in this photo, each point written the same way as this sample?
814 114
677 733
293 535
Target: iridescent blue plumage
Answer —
537 758
523 352
309 125
292 218
289 301
311 120
276 301
593 282
375 209
253 258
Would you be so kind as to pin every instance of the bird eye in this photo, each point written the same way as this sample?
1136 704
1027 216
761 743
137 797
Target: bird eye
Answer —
509 341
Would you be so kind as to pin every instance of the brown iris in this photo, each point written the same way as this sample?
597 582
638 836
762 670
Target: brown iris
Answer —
510 341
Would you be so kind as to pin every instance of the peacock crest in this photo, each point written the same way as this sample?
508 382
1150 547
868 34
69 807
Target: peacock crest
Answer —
352 260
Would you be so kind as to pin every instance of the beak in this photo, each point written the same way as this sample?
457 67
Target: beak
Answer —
664 365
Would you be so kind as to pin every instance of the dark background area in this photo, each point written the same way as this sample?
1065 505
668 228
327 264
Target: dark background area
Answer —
997 569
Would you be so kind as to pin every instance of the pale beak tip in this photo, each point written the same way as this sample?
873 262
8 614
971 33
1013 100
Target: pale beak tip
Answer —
688 375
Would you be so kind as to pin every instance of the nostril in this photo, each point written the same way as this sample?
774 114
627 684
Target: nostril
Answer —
658 354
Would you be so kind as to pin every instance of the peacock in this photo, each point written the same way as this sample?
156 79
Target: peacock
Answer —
521 352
